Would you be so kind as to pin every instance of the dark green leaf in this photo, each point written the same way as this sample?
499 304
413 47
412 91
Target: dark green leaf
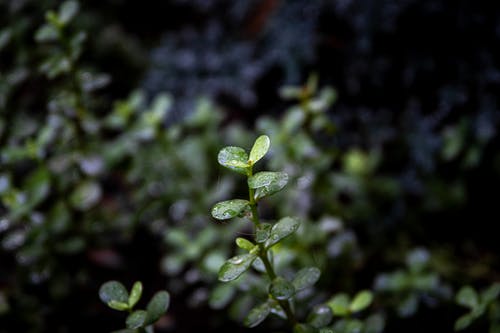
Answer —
281 289
234 158
231 208
157 307
113 291
267 183
236 266
283 228
257 315
320 316
362 300
306 277
467 297
303 328
135 294
259 149
136 319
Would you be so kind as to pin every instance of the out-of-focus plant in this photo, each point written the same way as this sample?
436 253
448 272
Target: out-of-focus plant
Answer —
115 295
479 305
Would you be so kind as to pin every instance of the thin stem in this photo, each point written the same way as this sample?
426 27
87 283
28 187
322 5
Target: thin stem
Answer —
285 304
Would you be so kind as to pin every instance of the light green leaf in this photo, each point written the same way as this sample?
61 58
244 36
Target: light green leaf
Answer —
259 149
157 307
281 289
234 158
234 267
362 300
113 291
282 229
306 277
267 183
67 11
244 244
136 319
320 316
340 304
467 297
135 294
120 306
257 315
231 208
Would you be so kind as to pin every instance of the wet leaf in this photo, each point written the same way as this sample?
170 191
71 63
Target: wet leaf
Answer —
320 316
136 319
306 277
257 315
263 232
234 267
267 183
282 229
362 300
234 158
281 289
244 244
157 307
259 149
231 208
113 291
135 294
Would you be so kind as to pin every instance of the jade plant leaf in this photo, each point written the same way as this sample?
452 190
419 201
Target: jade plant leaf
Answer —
281 289
282 229
113 291
306 277
259 149
136 319
235 266
157 307
231 208
257 315
135 294
267 183
234 158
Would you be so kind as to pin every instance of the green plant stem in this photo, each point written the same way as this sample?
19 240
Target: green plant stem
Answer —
285 304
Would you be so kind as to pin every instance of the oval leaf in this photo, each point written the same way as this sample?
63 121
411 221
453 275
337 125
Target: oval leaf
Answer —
257 315
234 267
157 307
231 208
234 158
120 306
283 228
467 297
361 301
136 319
244 244
263 232
267 183
135 294
113 291
86 195
339 305
281 289
306 277
259 149
320 316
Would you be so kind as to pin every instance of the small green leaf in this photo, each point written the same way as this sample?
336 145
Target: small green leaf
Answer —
283 228
67 11
464 321
136 319
113 291
281 289
86 195
120 306
320 316
231 208
157 307
259 149
236 266
339 304
263 232
257 315
306 277
267 183
46 33
234 158
467 297
135 294
244 244
490 294
362 300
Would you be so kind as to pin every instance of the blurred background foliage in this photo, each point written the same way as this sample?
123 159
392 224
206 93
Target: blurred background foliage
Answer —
112 114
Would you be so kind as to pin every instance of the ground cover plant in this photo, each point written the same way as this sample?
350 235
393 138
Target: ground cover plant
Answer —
110 129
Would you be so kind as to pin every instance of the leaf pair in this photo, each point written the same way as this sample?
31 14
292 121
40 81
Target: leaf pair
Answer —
237 159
